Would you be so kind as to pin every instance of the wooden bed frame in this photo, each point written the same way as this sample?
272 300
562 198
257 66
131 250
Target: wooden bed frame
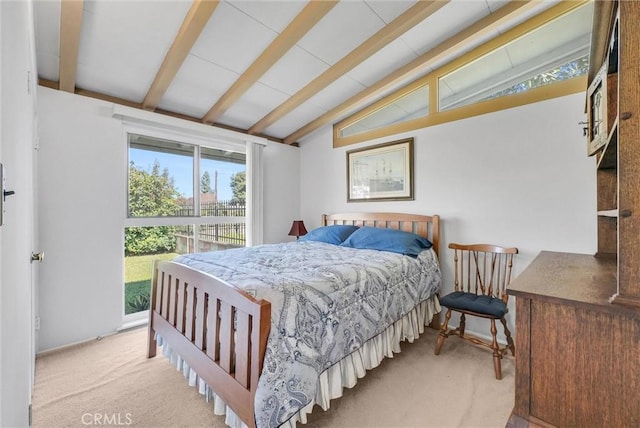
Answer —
194 313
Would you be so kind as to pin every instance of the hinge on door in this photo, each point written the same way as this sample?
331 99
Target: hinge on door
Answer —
30 418
29 82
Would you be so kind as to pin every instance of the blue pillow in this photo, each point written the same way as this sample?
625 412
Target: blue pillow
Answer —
392 240
333 234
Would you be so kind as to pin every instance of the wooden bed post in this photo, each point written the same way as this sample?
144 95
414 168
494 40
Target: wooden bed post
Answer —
435 234
435 322
152 345
435 240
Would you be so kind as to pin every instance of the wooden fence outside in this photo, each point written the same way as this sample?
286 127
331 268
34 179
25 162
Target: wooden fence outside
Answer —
215 209
213 236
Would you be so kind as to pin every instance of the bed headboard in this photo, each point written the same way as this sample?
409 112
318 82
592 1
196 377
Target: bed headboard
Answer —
423 225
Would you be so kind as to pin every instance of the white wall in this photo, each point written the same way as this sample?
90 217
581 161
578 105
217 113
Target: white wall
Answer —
518 177
82 205
16 235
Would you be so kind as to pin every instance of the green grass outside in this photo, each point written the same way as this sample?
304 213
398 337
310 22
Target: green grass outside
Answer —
137 272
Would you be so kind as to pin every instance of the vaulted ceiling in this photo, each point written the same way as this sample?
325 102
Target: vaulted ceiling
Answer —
276 68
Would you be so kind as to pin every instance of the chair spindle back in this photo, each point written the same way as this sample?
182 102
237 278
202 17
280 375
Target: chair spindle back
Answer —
483 269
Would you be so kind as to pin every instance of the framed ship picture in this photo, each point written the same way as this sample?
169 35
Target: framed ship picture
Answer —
381 172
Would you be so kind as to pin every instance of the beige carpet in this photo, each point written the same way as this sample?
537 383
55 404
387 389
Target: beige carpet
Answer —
111 383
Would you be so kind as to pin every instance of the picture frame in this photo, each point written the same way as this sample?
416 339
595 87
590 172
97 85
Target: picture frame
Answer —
383 172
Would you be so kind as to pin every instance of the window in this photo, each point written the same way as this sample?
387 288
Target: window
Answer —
556 51
183 197
413 105
575 68
160 177
542 58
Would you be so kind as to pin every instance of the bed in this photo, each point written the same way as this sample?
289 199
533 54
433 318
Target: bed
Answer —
292 324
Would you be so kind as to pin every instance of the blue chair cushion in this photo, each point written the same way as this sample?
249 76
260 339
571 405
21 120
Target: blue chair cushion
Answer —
475 303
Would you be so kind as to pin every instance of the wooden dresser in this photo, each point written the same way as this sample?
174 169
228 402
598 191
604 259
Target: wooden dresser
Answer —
577 355
578 316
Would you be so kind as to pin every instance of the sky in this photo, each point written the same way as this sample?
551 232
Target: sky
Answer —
181 170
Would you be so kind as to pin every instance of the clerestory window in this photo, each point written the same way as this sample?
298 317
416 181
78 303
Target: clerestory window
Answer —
544 57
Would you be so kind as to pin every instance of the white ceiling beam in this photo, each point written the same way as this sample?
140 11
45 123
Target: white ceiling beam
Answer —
70 26
407 20
492 22
312 13
193 24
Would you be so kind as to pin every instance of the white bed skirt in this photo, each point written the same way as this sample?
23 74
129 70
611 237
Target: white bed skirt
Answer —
345 373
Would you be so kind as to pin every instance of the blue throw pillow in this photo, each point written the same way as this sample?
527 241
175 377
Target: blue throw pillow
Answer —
333 234
392 240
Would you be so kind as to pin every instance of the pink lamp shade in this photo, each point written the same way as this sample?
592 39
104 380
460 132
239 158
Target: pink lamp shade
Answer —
297 229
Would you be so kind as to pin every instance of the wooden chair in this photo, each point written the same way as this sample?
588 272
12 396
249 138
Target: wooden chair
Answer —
482 275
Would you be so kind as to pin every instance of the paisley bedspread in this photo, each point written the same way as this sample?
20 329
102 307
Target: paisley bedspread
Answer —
326 301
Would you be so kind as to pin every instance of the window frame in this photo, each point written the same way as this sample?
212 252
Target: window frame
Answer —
436 117
197 220
179 137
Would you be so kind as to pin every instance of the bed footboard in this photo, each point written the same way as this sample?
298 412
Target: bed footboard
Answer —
220 331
